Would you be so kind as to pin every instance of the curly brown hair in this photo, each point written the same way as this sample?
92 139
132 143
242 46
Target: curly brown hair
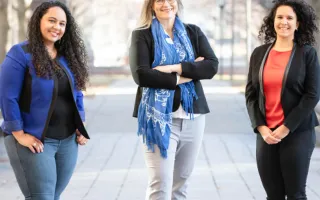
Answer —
306 17
71 46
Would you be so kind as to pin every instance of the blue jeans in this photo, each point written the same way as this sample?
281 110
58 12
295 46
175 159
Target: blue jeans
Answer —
43 176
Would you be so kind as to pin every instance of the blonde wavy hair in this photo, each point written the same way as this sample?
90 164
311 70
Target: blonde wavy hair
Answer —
146 16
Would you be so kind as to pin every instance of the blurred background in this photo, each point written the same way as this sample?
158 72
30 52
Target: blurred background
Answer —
227 159
230 25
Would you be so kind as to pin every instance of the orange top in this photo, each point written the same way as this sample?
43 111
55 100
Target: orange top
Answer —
272 84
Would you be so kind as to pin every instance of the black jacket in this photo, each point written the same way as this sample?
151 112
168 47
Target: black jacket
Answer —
142 56
300 88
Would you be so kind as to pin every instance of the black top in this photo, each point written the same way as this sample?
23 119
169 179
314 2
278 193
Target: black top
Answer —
142 56
62 123
300 92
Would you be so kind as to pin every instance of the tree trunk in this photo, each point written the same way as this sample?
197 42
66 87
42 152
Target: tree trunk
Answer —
4 26
21 13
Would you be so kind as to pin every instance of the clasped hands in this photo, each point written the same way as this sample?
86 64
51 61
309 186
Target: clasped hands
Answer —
273 137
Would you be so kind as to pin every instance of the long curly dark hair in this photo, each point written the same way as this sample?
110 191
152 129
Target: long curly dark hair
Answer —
71 46
305 16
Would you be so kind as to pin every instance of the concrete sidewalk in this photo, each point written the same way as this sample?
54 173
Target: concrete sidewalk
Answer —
111 165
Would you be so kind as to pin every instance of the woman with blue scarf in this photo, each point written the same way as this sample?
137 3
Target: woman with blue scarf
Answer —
168 59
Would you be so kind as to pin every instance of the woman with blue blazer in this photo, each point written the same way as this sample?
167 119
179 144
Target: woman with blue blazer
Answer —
42 103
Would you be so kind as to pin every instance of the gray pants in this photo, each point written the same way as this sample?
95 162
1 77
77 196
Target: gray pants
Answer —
168 177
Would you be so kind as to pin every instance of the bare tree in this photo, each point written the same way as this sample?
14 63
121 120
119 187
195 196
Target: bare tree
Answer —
21 9
3 28
82 12
36 3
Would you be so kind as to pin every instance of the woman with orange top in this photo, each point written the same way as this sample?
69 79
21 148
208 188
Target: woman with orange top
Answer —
281 94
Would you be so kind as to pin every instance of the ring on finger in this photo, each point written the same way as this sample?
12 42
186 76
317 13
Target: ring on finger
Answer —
34 144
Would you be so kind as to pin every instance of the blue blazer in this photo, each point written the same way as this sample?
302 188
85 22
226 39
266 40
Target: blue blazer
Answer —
26 100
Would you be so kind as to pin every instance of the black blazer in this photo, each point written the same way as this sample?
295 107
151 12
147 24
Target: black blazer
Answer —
142 55
300 89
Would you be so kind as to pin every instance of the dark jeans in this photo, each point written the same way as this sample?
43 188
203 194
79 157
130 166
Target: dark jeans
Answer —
284 167
43 176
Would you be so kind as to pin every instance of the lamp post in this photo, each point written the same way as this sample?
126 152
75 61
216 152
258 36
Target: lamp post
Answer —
221 6
232 38
248 16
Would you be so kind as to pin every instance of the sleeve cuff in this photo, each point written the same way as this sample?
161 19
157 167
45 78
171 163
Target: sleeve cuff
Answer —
289 126
10 126
255 127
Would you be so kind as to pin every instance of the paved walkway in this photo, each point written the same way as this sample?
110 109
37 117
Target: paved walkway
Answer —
111 166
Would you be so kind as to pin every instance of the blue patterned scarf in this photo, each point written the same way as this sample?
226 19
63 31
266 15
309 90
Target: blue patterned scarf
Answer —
155 109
